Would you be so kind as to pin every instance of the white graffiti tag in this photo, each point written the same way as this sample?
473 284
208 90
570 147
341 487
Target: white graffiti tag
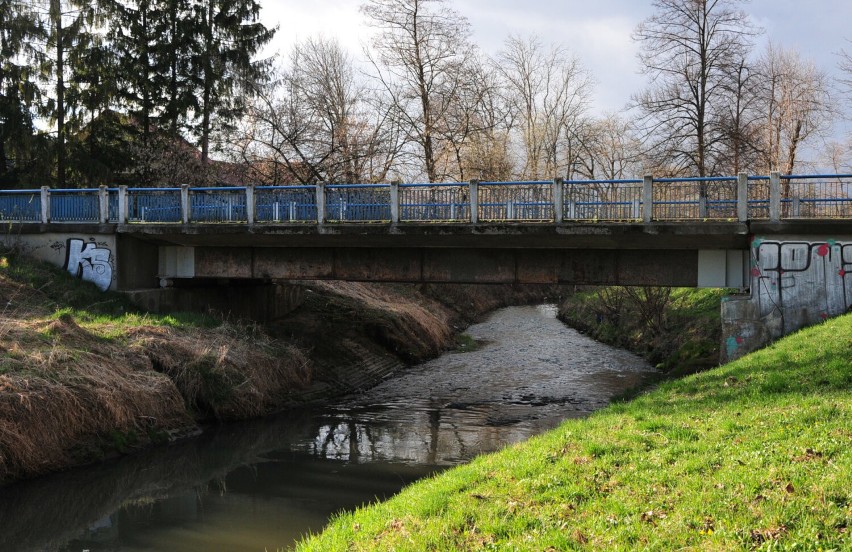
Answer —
89 262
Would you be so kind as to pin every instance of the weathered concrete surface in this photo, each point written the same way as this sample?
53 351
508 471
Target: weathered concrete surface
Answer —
704 235
89 254
259 302
796 281
438 265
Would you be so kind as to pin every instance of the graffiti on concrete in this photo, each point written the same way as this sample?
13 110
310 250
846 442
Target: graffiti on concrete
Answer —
89 261
793 284
794 274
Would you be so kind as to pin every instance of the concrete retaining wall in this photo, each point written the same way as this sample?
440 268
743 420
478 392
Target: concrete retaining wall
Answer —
90 257
794 283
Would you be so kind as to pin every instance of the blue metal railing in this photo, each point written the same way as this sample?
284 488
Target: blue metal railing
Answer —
285 204
695 198
604 200
816 196
153 205
516 201
74 205
20 205
357 202
223 204
672 199
444 202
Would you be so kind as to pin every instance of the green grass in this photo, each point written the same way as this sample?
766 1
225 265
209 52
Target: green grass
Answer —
687 341
108 314
755 455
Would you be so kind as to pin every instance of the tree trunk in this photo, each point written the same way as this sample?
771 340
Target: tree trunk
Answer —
208 84
60 96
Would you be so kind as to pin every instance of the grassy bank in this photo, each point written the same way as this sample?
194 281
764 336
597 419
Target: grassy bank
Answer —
85 375
756 454
678 330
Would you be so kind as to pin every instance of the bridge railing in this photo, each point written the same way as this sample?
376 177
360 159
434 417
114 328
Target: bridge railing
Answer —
20 206
446 202
602 200
695 198
151 205
223 204
288 204
515 201
774 197
357 203
816 196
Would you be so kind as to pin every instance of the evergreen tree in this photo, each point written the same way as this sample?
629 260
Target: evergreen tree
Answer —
226 36
69 36
133 37
174 27
20 60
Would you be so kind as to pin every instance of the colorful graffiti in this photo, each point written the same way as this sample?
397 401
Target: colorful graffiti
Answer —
797 274
793 284
89 261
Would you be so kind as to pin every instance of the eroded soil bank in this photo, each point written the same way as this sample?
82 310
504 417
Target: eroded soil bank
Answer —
84 376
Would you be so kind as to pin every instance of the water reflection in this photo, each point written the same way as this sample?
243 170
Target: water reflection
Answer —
262 485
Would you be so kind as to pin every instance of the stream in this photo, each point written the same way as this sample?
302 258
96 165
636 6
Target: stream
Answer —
262 485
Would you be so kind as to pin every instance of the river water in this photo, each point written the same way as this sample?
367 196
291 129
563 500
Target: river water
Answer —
262 485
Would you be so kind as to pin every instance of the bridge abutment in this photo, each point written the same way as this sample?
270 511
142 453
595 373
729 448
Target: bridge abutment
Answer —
795 282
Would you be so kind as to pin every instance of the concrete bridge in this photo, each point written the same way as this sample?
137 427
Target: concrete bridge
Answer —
786 239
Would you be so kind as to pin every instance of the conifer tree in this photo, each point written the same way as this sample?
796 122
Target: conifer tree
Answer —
20 31
227 35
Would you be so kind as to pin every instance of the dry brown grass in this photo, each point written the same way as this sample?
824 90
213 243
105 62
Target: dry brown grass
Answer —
62 396
224 372
69 395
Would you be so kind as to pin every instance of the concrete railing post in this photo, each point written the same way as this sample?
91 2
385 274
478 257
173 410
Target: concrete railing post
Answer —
45 204
647 198
474 201
103 204
250 206
320 192
774 196
394 202
742 197
557 201
184 203
797 207
122 204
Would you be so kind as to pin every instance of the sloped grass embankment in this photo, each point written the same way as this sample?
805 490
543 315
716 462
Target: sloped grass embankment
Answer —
84 374
756 454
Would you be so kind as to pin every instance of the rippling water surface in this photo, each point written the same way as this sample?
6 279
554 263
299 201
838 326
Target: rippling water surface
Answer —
261 485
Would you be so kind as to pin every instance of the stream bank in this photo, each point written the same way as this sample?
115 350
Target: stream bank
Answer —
85 375
265 483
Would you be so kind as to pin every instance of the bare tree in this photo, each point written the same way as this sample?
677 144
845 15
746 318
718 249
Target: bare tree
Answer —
845 79
319 122
741 121
549 92
796 106
421 55
690 49
610 149
475 127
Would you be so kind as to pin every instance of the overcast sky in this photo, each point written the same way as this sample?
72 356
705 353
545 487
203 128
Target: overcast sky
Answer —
596 31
